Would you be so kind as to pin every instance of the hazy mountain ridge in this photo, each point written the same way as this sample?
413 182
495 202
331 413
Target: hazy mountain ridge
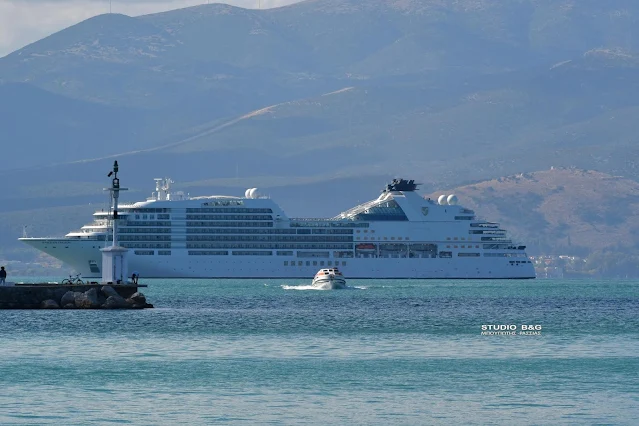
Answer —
444 92
308 37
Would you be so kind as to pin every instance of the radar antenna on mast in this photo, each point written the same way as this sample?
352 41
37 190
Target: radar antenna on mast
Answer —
115 195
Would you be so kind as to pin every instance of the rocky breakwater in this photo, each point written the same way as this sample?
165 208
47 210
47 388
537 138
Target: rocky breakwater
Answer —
93 296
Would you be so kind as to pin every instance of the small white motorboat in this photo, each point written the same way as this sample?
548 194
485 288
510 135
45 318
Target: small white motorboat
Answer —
329 279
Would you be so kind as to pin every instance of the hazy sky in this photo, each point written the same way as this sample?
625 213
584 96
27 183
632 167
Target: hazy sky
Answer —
25 21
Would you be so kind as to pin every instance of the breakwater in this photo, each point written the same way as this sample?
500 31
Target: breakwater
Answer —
85 296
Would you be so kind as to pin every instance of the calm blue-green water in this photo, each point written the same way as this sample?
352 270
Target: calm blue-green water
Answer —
387 352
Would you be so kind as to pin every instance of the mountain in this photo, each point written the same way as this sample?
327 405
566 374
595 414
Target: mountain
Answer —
39 127
561 210
321 95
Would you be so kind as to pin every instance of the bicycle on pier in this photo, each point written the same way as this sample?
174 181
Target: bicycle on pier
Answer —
73 280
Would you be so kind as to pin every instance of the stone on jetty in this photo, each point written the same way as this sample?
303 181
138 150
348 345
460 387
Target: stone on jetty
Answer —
68 299
50 304
95 300
86 296
107 290
116 302
81 300
138 298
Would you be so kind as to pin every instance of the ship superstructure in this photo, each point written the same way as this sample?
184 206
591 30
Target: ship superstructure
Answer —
400 234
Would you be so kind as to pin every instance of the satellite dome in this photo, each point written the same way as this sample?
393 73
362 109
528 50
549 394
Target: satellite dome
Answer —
247 193
253 193
452 199
441 200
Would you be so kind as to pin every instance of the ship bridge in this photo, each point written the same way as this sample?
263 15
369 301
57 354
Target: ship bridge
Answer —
385 207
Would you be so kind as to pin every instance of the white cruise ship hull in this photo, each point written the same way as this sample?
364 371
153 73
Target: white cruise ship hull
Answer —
400 234
79 253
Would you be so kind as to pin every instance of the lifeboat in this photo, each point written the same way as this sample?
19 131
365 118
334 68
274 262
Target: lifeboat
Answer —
365 247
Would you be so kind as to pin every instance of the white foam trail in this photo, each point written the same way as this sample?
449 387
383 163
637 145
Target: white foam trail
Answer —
302 287
310 287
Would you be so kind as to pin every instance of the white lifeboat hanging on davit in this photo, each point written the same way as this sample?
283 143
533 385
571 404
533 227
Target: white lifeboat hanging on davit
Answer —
329 279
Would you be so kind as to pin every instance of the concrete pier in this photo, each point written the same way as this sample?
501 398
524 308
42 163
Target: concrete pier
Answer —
84 296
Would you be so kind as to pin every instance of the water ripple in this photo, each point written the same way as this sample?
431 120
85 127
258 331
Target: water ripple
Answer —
406 352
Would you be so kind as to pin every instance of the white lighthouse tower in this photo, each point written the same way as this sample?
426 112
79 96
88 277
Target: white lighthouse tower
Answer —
114 257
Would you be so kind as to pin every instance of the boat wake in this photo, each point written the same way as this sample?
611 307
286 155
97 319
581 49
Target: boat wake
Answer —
302 287
322 288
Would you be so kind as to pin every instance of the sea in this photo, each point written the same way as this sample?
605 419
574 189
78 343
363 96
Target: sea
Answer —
400 352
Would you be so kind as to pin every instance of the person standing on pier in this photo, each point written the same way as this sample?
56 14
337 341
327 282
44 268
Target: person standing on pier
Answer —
3 275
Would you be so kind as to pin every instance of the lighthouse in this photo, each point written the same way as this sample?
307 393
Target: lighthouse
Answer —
114 257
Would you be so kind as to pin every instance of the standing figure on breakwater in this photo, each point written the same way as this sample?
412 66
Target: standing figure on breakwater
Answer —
3 275
134 277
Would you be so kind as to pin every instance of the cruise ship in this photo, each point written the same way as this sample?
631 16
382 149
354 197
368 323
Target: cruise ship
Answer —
400 234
